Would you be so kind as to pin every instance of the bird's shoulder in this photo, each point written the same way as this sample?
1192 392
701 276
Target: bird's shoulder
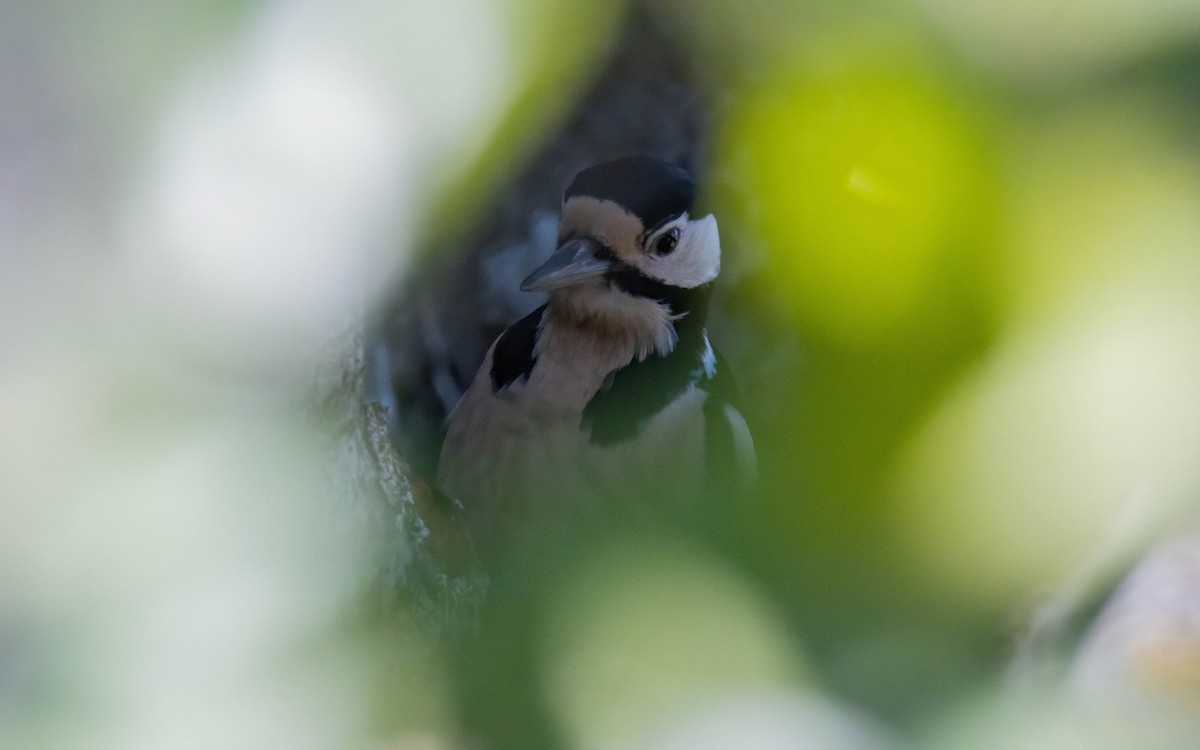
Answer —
513 353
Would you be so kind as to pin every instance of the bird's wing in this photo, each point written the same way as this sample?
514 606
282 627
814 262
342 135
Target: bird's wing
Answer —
642 390
636 393
512 355
728 443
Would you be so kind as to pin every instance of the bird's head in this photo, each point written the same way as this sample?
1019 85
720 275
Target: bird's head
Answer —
627 229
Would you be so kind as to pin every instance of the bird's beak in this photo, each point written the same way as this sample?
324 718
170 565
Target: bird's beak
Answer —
575 261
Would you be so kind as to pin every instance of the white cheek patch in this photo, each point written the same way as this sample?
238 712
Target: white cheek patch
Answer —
697 259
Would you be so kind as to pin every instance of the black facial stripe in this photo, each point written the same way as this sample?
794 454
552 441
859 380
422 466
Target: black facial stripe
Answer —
513 356
678 299
604 252
653 190
628 280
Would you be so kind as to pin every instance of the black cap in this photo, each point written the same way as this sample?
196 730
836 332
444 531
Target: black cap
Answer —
651 189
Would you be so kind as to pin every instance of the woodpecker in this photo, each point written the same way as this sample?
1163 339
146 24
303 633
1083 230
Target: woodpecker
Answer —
610 393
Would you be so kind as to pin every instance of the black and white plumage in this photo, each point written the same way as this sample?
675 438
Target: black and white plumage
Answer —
611 392
643 98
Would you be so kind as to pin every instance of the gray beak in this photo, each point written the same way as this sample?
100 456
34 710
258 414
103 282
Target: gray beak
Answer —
576 261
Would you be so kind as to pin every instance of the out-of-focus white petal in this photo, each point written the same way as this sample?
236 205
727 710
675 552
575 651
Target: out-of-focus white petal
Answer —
1052 42
287 176
652 630
768 722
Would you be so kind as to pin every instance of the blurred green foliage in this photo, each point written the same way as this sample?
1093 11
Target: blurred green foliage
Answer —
962 247
942 415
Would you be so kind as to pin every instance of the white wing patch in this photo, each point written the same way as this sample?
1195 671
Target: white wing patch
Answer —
743 444
708 359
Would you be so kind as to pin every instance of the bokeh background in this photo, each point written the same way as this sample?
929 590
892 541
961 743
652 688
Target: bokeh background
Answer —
960 296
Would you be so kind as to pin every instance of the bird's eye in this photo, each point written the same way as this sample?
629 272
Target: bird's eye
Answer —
667 241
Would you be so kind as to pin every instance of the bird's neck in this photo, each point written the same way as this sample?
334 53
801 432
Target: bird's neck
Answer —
630 326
